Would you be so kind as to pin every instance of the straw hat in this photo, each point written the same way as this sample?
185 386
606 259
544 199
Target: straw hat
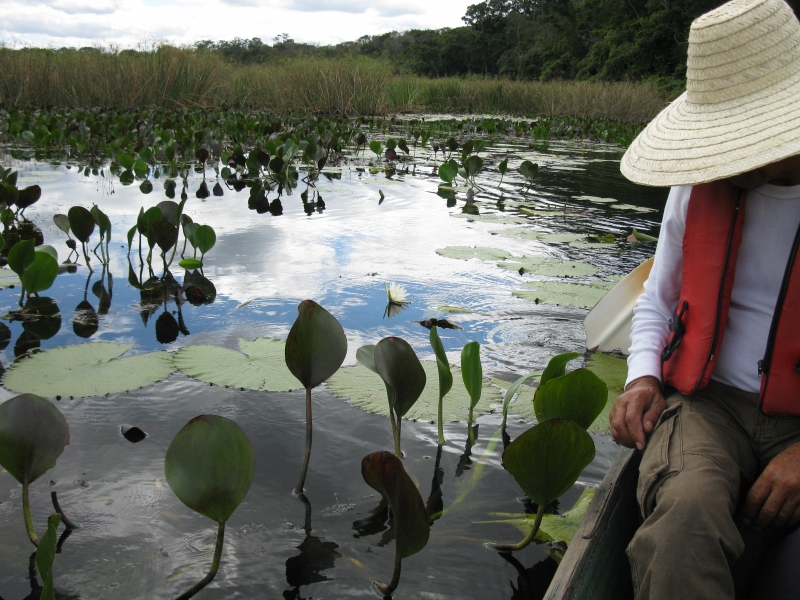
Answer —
741 108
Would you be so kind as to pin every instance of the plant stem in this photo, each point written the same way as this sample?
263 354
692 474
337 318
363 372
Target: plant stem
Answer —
469 427
68 523
214 566
528 538
26 512
387 590
398 452
307 452
441 424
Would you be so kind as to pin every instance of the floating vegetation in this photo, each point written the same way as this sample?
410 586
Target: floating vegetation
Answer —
540 236
468 252
494 218
261 365
595 199
549 267
446 308
564 294
83 370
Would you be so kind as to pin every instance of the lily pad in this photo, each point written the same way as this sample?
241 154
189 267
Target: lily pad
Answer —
641 209
592 242
364 389
496 218
613 370
468 252
91 369
209 465
595 199
8 278
561 293
457 309
260 365
549 267
540 236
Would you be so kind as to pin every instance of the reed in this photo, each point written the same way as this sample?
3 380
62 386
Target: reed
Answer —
169 76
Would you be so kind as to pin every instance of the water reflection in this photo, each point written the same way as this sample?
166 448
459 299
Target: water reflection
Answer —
532 583
41 320
465 461
435 504
315 557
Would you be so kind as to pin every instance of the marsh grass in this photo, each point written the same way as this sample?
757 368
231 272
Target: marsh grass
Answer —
170 77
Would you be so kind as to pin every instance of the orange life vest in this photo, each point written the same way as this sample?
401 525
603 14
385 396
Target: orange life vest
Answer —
711 242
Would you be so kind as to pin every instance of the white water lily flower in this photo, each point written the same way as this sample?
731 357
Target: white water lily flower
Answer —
396 293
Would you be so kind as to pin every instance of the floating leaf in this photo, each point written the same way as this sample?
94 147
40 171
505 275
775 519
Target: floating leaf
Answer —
260 365
91 369
209 465
399 367
316 345
384 472
468 252
527 233
33 434
457 309
579 396
365 390
494 218
642 237
547 459
45 556
562 294
549 267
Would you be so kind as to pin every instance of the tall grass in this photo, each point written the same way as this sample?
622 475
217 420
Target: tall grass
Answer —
168 76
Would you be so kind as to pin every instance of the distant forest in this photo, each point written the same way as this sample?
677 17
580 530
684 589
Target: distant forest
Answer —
608 40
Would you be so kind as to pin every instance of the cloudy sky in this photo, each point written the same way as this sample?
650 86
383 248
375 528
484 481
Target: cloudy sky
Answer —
127 23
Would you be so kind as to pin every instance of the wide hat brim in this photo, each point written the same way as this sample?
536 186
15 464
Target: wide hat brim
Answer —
741 110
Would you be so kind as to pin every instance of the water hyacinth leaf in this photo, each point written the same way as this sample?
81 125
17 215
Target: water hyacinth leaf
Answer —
549 267
472 371
81 223
165 235
209 465
366 356
399 367
46 248
316 346
169 211
503 166
126 161
547 459
204 238
101 219
362 388
376 147
473 164
45 556
445 377
190 263
468 252
384 473
509 395
90 369
131 234
41 274
557 366
579 396
33 434
28 196
529 170
259 366
448 171
21 256
613 371
562 294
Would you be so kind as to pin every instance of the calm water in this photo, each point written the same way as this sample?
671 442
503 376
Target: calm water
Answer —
138 540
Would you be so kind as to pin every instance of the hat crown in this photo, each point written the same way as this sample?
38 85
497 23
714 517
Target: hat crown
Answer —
742 48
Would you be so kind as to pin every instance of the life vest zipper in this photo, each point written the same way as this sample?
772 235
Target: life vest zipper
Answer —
720 295
764 363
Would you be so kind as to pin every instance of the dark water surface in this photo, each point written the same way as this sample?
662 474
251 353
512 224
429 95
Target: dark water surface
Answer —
138 540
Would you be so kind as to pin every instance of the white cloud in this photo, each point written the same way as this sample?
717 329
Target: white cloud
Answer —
128 23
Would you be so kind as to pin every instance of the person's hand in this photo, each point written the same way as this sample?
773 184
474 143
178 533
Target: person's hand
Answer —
774 499
636 411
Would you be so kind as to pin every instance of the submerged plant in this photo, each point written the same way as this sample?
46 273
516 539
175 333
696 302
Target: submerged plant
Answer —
384 473
315 349
445 378
33 434
209 465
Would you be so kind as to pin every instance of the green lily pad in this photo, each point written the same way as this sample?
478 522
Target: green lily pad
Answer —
591 243
641 209
33 434
540 236
595 199
562 293
614 372
457 309
384 473
261 365
91 369
8 278
365 390
468 252
496 218
549 267
547 459
209 465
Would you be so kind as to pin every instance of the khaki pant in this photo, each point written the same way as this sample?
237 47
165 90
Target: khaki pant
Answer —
699 464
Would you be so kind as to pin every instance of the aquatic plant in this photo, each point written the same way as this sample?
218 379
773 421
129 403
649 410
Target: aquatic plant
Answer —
396 294
33 434
472 374
36 266
315 349
384 473
445 378
45 556
209 465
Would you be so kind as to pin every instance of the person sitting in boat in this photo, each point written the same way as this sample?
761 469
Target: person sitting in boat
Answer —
713 390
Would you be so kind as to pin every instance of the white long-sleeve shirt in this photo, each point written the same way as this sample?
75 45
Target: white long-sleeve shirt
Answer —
772 215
